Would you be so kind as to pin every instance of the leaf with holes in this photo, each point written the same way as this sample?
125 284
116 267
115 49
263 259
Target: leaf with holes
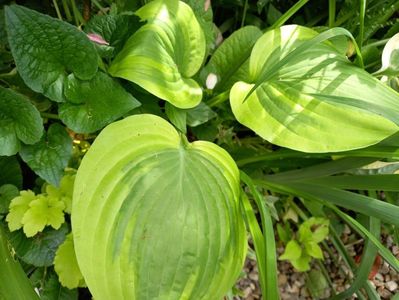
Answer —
318 102
151 206
164 53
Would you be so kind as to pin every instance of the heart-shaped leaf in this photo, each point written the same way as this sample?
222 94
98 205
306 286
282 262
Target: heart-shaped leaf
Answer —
93 104
49 157
318 102
19 121
164 53
46 50
161 211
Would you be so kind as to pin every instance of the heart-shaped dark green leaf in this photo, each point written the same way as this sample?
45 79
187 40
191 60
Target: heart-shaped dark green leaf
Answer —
93 104
7 193
160 211
164 53
46 50
19 121
53 290
318 102
39 250
49 157
114 29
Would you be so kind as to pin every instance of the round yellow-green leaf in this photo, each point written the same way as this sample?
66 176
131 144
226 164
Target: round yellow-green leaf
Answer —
156 217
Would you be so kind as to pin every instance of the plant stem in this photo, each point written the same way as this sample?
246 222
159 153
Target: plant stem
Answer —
218 99
99 6
49 116
331 13
76 13
376 43
289 13
362 13
57 9
86 10
244 14
67 10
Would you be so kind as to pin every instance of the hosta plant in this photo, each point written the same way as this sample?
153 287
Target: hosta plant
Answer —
140 152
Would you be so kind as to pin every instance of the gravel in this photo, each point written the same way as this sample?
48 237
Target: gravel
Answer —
294 285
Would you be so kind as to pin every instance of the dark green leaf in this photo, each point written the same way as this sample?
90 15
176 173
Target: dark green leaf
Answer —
10 171
46 50
114 29
93 104
199 115
19 121
49 157
177 116
230 62
7 193
53 290
40 249
385 182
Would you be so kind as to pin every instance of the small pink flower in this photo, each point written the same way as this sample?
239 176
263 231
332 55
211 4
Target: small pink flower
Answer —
97 39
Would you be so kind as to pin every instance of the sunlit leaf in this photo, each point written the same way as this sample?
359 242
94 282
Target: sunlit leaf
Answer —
164 53
151 206
306 103
66 266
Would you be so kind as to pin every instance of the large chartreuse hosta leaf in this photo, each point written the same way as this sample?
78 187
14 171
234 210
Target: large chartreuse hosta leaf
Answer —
317 102
164 53
155 217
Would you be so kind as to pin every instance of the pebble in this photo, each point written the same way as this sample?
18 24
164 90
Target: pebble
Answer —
282 279
292 284
391 286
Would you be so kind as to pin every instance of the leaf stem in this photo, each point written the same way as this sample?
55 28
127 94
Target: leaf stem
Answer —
244 14
67 10
49 116
331 13
57 9
289 13
362 14
218 99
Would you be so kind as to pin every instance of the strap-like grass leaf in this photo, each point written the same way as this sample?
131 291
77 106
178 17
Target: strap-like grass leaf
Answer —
46 50
269 262
369 253
155 217
313 100
164 53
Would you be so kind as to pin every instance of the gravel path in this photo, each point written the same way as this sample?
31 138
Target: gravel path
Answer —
295 285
